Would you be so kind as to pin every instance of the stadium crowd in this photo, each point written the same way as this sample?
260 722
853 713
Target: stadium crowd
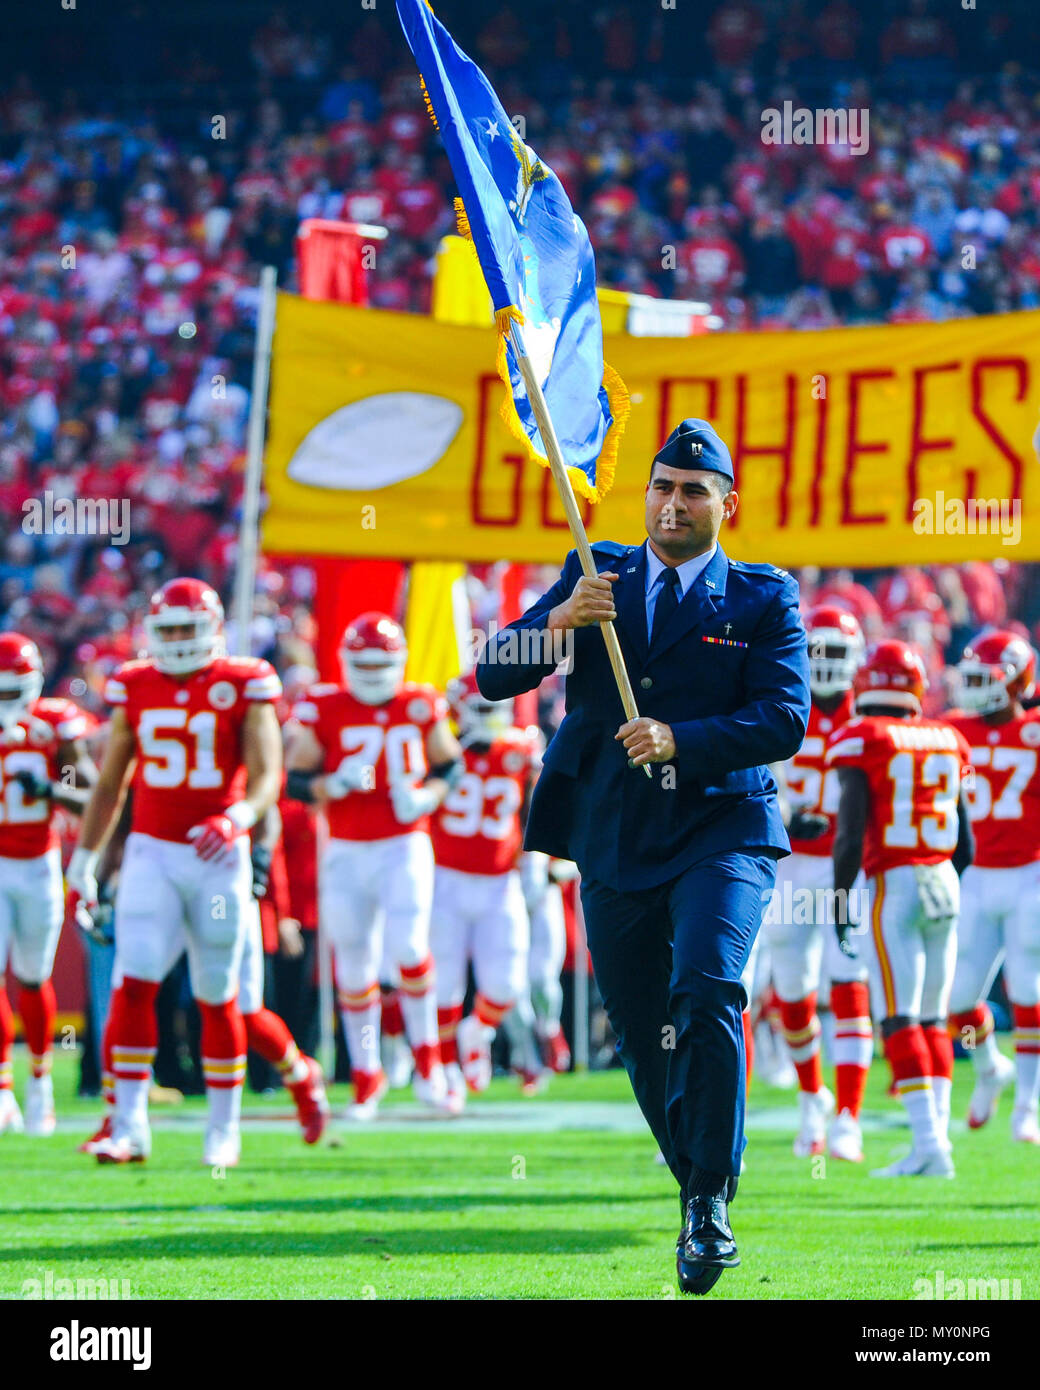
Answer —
131 239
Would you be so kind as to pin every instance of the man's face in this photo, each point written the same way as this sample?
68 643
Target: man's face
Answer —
684 510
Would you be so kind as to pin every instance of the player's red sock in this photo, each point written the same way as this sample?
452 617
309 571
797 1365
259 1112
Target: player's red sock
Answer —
38 1007
907 1052
749 1048
419 1007
853 1044
108 1081
6 1042
135 1036
971 1026
802 1034
488 1012
1027 1055
393 1018
267 1035
223 1059
940 1050
448 1021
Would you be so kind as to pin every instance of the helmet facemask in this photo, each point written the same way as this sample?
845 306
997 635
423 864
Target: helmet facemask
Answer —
983 689
180 655
374 677
834 659
27 688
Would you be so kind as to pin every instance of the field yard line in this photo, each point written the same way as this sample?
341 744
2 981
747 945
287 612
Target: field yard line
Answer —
534 1117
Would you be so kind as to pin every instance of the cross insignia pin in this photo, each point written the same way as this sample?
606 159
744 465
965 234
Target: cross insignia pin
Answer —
728 629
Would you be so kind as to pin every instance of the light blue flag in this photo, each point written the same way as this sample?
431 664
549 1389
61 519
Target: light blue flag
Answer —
536 257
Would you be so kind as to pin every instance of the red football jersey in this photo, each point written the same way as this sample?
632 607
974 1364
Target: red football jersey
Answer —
390 739
1004 793
811 786
914 769
477 827
29 828
189 738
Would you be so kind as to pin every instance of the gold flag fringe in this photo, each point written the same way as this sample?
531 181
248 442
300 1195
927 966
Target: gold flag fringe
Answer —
617 397
429 104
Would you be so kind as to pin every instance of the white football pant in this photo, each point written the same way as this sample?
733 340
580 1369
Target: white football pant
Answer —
32 909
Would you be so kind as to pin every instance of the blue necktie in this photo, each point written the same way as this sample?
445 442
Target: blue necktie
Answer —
667 602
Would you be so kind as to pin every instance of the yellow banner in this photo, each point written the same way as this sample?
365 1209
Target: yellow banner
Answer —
859 447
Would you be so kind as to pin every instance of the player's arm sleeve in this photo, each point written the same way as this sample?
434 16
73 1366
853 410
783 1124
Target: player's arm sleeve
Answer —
964 853
853 809
770 726
520 657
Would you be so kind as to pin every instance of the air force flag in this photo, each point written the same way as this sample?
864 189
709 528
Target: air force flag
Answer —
536 258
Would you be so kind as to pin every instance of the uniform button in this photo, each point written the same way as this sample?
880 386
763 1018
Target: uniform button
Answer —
646 682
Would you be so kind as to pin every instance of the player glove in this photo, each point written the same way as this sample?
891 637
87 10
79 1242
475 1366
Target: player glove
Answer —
102 917
348 777
216 834
261 861
808 825
35 788
844 932
82 887
410 803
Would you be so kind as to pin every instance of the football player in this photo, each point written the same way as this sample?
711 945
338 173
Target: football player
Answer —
43 765
902 814
378 755
536 1037
199 734
479 913
794 934
1000 892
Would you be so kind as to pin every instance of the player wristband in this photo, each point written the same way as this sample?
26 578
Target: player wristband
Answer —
299 786
241 815
451 772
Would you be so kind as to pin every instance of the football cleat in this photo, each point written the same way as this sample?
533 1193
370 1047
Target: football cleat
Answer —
369 1089
456 1086
532 1083
473 1040
845 1138
40 1119
312 1105
937 1163
813 1111
11 1121
125 1144
222 1146
432 1091
988 1086
89 1146
1025 1127
557 1053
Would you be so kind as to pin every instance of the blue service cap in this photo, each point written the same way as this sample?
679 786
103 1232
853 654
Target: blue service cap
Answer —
696 444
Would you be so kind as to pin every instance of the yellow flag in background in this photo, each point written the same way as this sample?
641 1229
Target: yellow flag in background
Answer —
438 620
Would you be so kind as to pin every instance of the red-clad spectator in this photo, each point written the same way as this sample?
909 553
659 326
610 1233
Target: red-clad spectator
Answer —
735 33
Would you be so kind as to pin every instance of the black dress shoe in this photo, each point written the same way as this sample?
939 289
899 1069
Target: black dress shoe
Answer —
706 1246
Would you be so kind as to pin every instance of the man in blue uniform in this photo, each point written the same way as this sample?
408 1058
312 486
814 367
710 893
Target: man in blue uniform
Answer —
675 869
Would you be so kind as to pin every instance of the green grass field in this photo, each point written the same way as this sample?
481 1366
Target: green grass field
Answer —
521 1199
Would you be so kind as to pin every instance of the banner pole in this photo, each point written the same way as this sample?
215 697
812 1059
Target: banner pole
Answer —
570 507
249 526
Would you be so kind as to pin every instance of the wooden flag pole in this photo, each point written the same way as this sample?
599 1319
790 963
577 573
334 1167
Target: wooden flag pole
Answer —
570 506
